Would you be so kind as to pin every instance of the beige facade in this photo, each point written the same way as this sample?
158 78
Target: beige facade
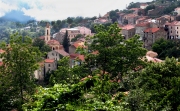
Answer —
73 32
128 31
47 33
50 65
173 30
57 54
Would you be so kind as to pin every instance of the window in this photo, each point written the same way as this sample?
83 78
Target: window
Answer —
171 31
177 27
171 27
177 32
53 54
49 65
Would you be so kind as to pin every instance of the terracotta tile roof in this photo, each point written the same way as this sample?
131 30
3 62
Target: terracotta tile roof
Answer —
2 51
143 4
152 30
78 44
128 27
131 15
62 52
53 42
1 63
78 56
49 60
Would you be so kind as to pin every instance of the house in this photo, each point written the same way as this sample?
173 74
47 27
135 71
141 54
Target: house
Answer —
128 31
50 65
73 32
151 35
76 59
130 18
74 46
164 19
54 44
143 5
173 30
140 27
59 37
141 19
177 10
57 54
84 30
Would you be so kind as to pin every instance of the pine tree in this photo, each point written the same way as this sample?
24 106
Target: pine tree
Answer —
66 42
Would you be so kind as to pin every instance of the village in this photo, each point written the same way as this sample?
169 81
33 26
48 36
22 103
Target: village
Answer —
149 30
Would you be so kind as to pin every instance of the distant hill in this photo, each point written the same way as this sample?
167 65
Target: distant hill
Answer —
17 16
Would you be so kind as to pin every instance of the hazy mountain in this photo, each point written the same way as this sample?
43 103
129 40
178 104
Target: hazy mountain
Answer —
16 15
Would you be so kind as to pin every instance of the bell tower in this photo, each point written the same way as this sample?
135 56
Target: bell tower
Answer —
47 33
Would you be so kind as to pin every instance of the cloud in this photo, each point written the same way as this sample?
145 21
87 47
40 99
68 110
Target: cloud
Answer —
61 9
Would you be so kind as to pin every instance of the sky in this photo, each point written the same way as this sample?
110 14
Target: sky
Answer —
61 9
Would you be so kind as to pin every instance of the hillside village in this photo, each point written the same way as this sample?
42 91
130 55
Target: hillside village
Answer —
127 75
136 21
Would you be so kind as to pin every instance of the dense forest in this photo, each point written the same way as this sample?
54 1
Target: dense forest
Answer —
115 76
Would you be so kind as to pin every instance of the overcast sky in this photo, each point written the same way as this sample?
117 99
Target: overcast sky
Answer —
61 9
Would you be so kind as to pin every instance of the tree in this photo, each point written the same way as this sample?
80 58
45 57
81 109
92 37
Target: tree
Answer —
157 87
19 63
69 20
41 45
116 56
166 48
66 42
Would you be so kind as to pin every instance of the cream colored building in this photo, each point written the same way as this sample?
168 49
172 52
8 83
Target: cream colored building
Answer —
57 54
50 65
173 30
73 32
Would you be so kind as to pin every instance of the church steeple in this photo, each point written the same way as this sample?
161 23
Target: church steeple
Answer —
47 32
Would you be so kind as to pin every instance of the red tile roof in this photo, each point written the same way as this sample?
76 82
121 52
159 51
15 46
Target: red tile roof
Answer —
78 56
49 60
1 63
152 30
128 27
2 51
53 42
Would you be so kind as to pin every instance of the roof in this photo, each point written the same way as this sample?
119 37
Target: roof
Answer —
78 56
131 15
49 60
2 51
135 9
152 30
53 42
1 63
128 27
173 23
151 59
143 4
78 44
62 52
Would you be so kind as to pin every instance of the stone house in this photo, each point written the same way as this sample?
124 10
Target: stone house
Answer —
142 19
50 65
131 18
57 54
74 46
128 31
40 72
151 35
163 20
140 27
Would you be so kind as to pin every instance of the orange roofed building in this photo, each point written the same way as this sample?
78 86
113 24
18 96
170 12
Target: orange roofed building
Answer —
50 65
151 35
128 31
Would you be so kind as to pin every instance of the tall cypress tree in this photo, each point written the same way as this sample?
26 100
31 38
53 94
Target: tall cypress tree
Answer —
66 42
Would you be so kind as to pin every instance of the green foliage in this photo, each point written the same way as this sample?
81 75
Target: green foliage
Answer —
65 74
115 55
66 43
166 48
156 87
82 96
41 45
150 7
17 71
